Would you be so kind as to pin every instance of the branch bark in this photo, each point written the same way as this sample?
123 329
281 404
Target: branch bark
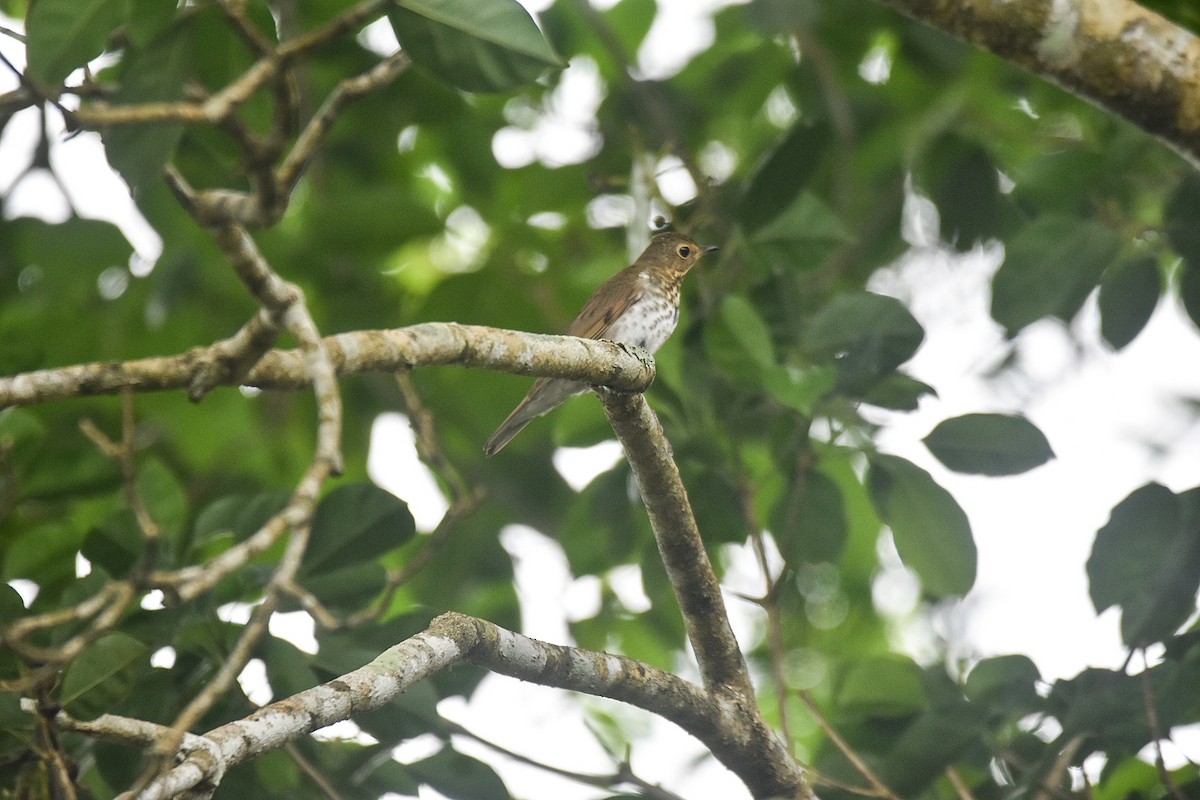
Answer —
600 363
450 639
1114 53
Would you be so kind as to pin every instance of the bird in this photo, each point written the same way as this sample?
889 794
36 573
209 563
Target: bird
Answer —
639 305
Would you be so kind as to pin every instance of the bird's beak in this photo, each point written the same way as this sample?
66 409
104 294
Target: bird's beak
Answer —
712 248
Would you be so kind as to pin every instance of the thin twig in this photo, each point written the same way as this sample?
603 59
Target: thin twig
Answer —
844 747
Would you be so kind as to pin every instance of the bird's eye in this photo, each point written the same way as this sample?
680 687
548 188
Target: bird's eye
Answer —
684 251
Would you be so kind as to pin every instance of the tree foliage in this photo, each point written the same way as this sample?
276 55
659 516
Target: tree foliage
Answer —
305 183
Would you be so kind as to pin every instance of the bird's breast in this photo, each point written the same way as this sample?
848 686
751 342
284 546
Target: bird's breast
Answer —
648 322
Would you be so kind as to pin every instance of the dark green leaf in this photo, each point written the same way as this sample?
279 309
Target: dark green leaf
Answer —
1128 296
20 433
460 777
1005 683
781 175
932 533
738 341
116 544
66 34
163 496
798 388
1189 290
347 588
356 522
1049 268
477 45
1146 560
989 444
1183 209
869 335
898 392
928 746
882 687
104 674
809 522
801 234
150 75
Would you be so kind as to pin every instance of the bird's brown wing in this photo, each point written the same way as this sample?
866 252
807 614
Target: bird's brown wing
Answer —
610 301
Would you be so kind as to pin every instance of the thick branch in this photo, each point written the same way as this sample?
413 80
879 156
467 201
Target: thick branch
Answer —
452 638
1114 53
599 363
679 542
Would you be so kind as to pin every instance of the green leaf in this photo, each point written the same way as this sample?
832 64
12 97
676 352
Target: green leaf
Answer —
154 74
66 34
356 522
802 233
809 521
1007 684
1049 268
1128 296
781 175
1183 209
989 444
347 588
1146 559
889 686
103 675
20 434
115 544
163 496
476 45
799 388
932 743
1189 290
749 330
460 777
868 334
898 392
932 533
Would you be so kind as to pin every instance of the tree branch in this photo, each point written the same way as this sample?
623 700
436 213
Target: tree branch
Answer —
1114 53
597 362
454 638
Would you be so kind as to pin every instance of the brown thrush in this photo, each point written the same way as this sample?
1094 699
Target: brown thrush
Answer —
639 305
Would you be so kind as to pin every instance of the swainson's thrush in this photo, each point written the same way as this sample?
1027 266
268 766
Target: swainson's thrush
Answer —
639 305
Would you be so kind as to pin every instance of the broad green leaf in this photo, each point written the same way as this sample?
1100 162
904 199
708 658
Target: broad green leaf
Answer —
1128 296
809 521
781 175
349 587
1049 269
477 45
989 444
932 533
20 434
1006 684
868 334
354 523
898 392
932 743
115 544
152 74
1146 559
799 388
163 496
749 330
1183 209
459 777
1189 290
103 674
882 687
802 234
66 34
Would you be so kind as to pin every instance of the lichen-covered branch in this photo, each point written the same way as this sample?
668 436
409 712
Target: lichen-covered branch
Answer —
1115 53
451 639
599 363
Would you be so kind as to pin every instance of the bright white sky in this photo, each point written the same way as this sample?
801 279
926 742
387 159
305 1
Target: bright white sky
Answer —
1115 421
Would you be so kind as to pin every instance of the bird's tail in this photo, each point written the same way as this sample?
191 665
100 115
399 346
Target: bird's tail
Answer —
545 395
517 420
